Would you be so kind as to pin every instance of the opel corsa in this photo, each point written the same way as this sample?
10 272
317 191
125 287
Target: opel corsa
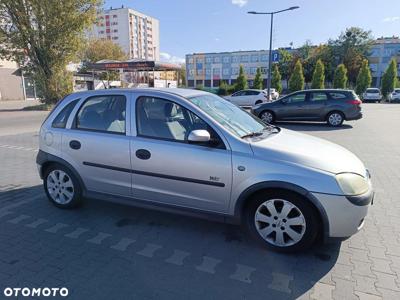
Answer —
193 152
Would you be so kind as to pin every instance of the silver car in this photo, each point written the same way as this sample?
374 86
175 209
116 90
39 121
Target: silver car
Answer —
193 152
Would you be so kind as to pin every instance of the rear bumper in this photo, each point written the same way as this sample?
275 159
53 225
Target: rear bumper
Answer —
345 214
358 116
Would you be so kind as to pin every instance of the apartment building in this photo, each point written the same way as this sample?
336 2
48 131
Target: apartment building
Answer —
137 33
383 50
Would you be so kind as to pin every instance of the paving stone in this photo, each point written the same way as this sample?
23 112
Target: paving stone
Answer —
322 291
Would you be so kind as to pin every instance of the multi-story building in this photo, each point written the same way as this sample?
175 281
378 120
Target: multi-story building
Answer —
137 33
383 50
209 69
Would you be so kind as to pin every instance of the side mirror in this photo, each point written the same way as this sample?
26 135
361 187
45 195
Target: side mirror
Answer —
199 136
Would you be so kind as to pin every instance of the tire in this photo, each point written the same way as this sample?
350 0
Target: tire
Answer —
294 238
62 187
267 116
335 118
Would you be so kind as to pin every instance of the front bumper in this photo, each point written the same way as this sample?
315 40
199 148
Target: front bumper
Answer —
345 214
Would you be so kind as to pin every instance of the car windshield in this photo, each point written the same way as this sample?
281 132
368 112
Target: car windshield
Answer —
373 91
230 116
397 90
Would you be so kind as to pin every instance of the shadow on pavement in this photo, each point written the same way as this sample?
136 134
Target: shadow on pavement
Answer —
282 276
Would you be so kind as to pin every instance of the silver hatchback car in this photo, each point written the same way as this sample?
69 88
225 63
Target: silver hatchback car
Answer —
189 151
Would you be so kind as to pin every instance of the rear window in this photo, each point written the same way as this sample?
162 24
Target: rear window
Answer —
61 120
337 95
373 91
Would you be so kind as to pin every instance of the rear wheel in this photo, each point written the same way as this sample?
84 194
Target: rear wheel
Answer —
62 187
267 117
282 221
335 118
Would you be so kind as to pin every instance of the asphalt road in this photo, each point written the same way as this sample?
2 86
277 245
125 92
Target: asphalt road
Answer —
109 251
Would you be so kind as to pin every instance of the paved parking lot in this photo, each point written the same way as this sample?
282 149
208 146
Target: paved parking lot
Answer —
109 251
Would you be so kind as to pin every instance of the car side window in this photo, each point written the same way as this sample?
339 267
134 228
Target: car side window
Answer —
297 98
337 96
103 113
162 119
318 97
61 120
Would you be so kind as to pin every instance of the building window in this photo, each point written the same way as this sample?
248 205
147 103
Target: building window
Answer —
264 57
216 71
235 71
208 59
254 58
115 30
115 38
226 59
264 70
225 71
115 16
244 58
114 23
217 59
208 71
191 72
199 72
235 59
253 70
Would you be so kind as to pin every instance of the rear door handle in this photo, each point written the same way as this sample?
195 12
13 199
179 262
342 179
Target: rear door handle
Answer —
76 145
143 154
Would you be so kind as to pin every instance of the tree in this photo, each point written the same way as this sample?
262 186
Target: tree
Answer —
276 80
389 78
258 80
43 37
351 48
241 81
364 78
296 81
182 75
285 64
340 78
318 79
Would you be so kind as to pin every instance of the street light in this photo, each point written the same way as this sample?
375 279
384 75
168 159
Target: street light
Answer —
270 40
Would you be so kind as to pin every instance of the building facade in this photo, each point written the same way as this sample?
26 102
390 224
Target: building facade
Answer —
209 69
137 33
382 52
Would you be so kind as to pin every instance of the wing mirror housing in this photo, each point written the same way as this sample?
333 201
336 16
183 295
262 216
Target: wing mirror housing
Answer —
199 136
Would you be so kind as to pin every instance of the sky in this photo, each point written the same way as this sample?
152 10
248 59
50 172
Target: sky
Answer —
195 26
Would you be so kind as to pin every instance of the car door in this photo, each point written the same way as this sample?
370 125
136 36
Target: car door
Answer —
237 98
167 168
315 107
294 107
97 143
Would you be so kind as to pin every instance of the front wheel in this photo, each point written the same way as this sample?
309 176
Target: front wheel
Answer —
267 117
282 221
62 187
335 119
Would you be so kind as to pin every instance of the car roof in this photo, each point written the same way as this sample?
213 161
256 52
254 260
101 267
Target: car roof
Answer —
186 93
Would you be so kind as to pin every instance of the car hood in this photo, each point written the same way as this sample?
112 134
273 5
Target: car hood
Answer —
303 149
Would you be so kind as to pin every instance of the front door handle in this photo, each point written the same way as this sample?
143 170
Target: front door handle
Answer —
76 145
143 154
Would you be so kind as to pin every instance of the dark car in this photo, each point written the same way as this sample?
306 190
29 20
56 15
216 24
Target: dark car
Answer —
331 106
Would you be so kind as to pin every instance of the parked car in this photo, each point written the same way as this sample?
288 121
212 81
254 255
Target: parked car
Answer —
274 94
248 97
192 152
331 106
394 96
372 95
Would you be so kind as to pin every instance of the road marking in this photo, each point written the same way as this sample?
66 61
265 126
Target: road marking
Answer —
242 273
123 244
149 250
36 223
99 238
18 219
13 147
76 233
177 257
280 282
208 265
56 227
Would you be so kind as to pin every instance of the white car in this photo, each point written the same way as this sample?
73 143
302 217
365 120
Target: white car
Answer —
395 95
372 95
274 94
248 97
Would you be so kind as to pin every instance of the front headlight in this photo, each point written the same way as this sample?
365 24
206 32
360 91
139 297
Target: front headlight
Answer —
352 184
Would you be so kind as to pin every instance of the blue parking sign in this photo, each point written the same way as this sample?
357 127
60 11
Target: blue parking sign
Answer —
275 56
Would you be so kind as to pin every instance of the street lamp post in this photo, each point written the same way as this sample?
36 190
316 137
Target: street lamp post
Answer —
270 41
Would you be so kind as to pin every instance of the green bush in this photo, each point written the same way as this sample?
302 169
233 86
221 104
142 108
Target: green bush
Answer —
364 78
389 78
340 77
296 81
276 80
318 79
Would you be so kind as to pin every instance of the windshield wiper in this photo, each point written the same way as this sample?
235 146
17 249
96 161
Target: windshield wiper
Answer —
252 134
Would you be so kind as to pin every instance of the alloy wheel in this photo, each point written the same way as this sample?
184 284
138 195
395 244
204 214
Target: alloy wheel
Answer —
267 117
60 187
280 222
335 119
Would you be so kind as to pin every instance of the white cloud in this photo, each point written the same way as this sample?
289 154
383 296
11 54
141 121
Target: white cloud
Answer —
239 3
166 57
391 19
217 39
